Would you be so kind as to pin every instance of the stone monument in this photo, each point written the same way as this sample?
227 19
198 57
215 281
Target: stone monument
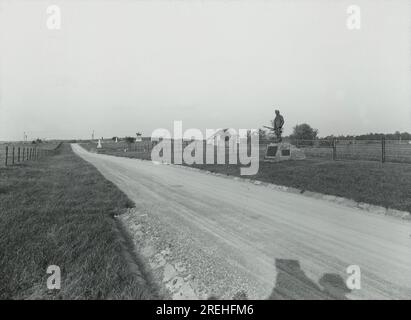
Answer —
279 150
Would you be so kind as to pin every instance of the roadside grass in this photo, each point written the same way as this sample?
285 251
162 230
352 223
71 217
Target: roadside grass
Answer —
60 211
387 185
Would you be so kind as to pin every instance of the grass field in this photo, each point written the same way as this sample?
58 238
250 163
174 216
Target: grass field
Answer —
383 184
387 185
60 211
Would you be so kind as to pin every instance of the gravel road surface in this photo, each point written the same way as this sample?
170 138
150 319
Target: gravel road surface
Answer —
210 236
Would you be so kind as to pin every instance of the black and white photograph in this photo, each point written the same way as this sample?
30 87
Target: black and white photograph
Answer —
205 155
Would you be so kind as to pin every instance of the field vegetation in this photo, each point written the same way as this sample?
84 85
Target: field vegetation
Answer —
60 211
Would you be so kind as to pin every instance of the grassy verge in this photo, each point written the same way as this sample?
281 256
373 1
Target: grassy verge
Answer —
59 211
387 185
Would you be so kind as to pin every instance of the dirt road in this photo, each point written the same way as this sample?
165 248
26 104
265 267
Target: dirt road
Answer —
208 235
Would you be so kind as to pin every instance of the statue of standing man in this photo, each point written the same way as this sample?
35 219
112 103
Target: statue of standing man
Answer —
278 125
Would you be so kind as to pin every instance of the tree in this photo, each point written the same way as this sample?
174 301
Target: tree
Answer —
262 134
304 132
130 140
405 136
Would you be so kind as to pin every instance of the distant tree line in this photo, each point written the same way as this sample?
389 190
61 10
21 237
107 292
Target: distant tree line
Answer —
304 131
374 136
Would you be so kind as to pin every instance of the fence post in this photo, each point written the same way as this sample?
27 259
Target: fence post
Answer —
24 154
334 145
383 149
7 154
12 161
205 151
18 154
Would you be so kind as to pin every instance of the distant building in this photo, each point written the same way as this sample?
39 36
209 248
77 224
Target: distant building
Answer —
225 135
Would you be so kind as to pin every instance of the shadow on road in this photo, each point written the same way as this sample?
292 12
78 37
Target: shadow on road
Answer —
293 284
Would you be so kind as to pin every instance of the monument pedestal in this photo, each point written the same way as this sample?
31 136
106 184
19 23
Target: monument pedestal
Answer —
282 151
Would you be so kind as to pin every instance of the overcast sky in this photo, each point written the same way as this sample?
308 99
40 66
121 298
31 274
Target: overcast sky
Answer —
119 67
